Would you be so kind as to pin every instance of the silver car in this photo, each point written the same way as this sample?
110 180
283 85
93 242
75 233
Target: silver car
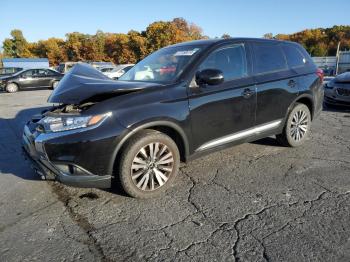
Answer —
337 91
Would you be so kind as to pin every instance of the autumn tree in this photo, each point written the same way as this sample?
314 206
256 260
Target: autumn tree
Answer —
52 48
134 46
160 34
138 44
16 46
320 41
73 46
92 47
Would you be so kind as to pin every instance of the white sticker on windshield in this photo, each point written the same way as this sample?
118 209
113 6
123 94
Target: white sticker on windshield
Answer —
186 52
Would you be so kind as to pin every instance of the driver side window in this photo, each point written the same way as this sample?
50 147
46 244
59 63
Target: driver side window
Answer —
230 60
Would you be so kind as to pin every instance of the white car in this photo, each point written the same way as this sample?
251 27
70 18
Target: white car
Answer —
118 71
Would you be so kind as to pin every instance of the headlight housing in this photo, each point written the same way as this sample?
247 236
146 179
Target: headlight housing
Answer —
65 123
329 85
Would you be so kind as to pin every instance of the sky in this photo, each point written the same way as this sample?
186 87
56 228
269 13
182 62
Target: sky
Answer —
250 18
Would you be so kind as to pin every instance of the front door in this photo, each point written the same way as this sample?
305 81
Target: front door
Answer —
220 113
27 78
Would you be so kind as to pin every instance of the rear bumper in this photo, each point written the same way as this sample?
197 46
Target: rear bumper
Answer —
48 170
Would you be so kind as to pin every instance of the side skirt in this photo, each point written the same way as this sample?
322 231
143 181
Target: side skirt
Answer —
240 135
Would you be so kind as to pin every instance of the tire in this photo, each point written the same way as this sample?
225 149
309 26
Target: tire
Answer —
11 88
139 174
54 84
297 127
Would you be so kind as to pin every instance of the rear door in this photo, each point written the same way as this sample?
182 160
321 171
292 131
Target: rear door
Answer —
276 85
43 78
218 112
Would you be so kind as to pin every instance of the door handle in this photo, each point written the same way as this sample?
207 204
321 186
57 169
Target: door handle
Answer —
292 83
247 93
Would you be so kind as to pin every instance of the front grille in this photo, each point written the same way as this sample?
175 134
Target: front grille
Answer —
343 92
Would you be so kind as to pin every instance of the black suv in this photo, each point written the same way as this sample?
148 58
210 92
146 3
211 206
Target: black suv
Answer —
30 78
178 103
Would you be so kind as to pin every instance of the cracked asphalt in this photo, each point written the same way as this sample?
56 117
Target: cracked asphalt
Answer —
253 202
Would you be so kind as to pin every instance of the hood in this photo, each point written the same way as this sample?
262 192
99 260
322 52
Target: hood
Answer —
83 83
343 78
5 77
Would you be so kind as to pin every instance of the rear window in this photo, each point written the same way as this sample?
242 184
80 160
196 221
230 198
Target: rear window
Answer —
294 57
268 58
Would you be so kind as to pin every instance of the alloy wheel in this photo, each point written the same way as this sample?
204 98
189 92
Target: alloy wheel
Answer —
299 125
11 88
152 166
55 84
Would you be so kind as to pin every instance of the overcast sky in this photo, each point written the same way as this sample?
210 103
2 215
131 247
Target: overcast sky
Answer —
252 18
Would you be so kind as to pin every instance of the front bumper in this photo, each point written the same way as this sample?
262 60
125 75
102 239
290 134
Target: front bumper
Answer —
72 158
334 97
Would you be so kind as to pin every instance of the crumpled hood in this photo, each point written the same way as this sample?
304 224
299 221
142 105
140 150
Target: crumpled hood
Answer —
84 82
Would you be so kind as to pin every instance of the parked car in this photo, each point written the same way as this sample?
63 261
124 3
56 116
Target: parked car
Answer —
6 71
65 67
203 96
30 78
118 71
106 69
98 65
337 90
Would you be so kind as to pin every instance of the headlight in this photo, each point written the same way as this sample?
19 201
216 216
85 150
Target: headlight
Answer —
64 123
329 85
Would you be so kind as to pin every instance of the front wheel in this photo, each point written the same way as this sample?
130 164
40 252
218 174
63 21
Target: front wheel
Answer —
11 88
149 163
297 126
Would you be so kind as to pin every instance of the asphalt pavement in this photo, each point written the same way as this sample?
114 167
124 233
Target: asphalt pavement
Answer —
253 202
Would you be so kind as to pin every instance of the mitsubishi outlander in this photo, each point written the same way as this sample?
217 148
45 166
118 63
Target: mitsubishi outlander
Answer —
179 103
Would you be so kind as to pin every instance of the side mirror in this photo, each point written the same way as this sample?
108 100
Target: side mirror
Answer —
209 77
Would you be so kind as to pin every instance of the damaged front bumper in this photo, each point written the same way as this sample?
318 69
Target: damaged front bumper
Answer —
66 172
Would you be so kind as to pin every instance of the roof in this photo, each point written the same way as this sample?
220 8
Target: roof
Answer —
25 60
226 40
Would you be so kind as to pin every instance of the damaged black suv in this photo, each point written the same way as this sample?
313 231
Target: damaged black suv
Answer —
178 103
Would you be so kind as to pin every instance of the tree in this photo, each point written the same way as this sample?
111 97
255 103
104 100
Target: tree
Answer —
73 46
52 48
138 45
134 46
17 46
225 36
268 36
160 34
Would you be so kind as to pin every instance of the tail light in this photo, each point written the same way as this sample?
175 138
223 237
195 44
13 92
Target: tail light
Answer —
320 73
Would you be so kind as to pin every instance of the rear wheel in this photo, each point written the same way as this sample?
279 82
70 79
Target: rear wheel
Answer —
11 88
149 163
297 127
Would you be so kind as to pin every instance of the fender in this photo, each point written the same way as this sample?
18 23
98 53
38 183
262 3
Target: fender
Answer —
304 95
141 126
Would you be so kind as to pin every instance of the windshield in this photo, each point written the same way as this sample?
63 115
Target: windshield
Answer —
164 65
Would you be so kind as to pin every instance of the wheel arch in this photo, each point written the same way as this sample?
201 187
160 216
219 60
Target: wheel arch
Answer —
305 99
173 130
